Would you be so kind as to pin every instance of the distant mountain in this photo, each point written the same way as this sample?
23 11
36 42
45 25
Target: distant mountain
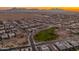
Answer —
17 8
24 10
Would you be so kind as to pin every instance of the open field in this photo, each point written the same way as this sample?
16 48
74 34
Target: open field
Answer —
46 35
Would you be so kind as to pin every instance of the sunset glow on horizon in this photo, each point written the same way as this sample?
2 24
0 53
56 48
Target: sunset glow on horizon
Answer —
76 9
41 4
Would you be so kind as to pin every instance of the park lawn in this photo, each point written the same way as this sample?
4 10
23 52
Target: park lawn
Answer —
46 35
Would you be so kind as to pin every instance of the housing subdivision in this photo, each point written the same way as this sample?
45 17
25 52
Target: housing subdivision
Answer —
39 32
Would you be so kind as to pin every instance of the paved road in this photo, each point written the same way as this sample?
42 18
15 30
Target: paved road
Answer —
31 41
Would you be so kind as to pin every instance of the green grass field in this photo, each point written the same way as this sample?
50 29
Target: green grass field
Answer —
46 35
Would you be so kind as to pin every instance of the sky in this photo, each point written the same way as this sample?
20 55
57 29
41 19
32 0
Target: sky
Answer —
65 4
39 3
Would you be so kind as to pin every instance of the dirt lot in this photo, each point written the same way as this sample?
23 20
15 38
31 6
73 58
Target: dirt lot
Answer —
15 16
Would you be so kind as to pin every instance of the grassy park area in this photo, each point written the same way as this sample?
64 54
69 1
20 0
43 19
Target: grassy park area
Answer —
46 35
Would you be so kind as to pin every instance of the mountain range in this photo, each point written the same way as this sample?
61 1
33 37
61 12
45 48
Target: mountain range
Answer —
24 10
